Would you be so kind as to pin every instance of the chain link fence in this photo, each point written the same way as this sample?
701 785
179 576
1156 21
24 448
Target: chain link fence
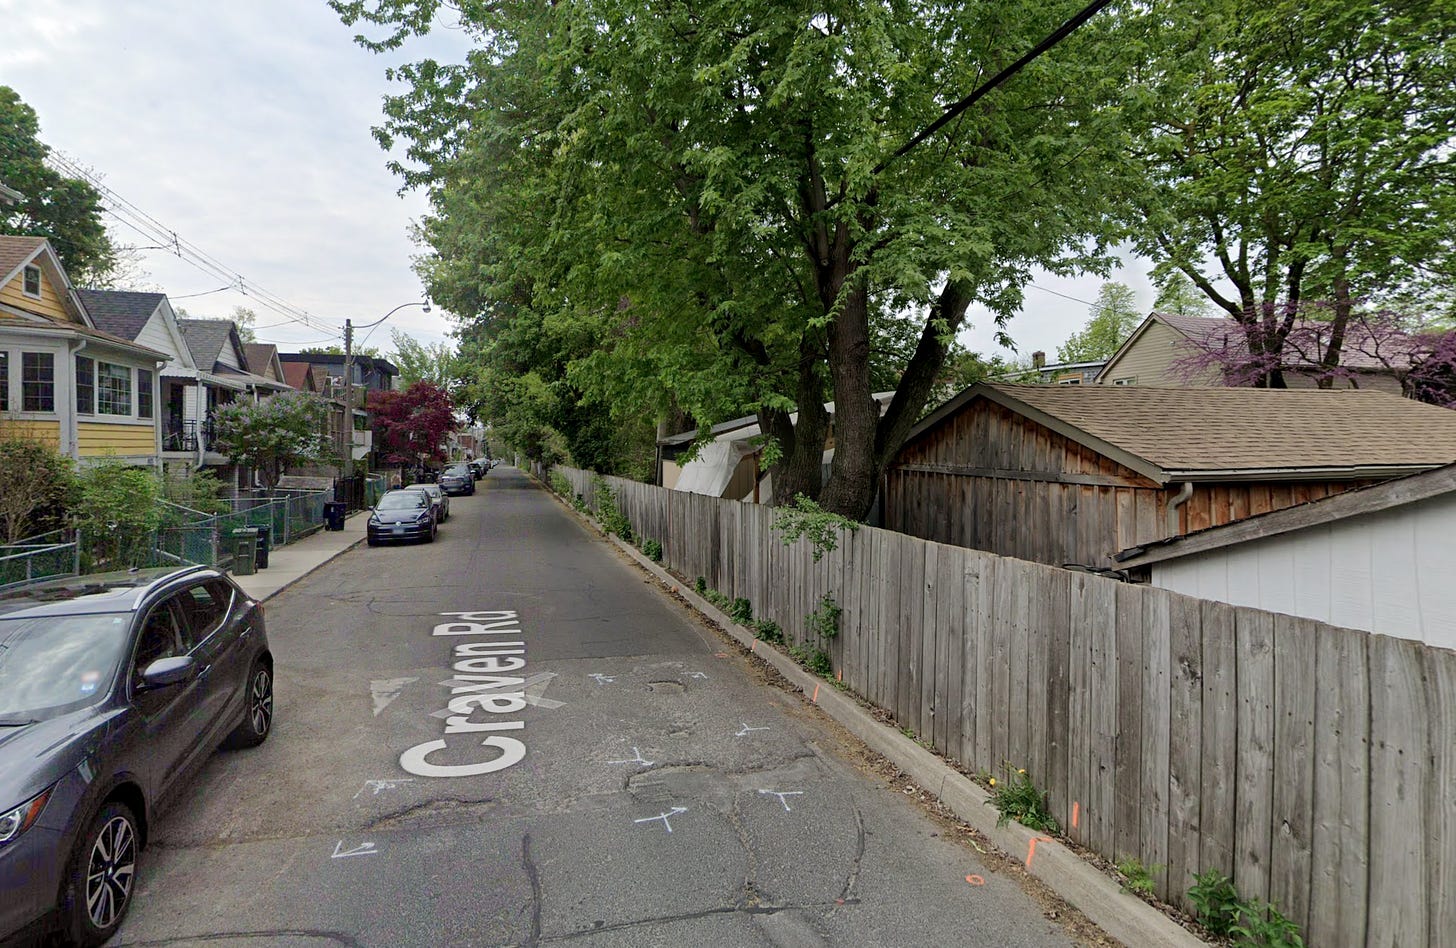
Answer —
40 557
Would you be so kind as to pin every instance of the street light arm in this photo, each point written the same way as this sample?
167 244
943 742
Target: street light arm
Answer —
425 304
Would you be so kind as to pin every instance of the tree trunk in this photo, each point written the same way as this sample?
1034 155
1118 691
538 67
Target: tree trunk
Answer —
1330 361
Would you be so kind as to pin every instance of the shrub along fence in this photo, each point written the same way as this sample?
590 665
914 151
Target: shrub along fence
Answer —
39 557
1314 765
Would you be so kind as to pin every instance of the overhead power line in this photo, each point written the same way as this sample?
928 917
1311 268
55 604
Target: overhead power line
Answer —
162 237
955 109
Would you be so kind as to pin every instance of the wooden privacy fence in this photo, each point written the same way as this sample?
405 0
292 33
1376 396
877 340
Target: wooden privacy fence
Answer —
1314 765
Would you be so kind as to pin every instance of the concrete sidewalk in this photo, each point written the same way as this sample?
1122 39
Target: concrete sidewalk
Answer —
288 564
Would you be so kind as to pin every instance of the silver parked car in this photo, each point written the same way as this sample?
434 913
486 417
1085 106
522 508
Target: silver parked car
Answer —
438 499
113 688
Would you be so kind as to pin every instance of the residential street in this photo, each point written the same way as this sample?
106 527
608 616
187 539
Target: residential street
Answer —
666 795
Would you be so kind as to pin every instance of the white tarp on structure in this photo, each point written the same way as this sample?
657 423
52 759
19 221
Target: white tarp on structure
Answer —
710 472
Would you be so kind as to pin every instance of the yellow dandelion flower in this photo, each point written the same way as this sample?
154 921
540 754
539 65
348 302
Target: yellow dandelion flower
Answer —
993 781
1022 771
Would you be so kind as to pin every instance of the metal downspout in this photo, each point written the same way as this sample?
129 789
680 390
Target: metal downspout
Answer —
72 420
1178 500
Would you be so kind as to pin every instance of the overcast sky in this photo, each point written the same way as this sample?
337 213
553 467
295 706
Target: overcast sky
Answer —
244 127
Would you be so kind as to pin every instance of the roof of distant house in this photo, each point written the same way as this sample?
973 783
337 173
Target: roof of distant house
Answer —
299 375
205 339
15 251
120 312
259 354
1176 434
336 358
9 195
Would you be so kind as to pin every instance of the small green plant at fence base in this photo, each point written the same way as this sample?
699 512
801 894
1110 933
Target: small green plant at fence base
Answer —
611 516
1137 878
652 550
1215 902
1250 923
1256 929
1017 798
818 662
560 484
700 586
804 518
824 620
768 630
741 611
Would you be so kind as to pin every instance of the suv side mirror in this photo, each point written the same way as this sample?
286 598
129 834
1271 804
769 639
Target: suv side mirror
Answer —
165 672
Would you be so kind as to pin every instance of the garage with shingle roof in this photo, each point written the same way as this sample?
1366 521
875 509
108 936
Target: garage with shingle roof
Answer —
1070 475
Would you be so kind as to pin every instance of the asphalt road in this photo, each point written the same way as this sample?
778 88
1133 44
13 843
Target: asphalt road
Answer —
650 790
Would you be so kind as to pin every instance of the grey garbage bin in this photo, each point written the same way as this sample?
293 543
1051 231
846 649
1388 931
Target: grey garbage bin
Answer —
245 551
265 535
334 511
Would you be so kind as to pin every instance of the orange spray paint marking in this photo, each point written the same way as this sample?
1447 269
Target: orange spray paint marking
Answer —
754 646
815 699
975 880
1031 849
839 675
1076 812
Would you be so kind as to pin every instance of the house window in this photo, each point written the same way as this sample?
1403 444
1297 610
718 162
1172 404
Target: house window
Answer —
4 381
1070 380
113 389
85 386
144 393
32 281
37 381
1125 380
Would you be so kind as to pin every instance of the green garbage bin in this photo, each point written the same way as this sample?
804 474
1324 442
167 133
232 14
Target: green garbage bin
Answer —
245 551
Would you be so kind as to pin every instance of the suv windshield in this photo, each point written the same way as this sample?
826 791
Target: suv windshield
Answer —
404 500
53 664
459 470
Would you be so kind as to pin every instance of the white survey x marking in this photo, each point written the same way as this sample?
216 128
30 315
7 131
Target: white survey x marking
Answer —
379 785
532 691
363 849
781 794
743 731
636 758
603 679
386 690
696 675
663 816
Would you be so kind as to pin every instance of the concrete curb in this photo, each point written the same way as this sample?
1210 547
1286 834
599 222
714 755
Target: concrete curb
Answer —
1125 917
312 569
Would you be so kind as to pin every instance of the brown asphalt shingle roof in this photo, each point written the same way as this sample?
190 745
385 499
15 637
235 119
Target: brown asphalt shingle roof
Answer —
1193 430
16 250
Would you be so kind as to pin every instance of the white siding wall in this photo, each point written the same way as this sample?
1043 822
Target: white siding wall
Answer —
1392 572
154 335
228 356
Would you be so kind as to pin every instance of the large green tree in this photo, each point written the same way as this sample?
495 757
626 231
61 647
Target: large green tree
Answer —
710 192
1297 151
1114 316
64 210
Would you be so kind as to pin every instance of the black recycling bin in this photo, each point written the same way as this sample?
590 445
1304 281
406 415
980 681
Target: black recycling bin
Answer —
264 536
334 511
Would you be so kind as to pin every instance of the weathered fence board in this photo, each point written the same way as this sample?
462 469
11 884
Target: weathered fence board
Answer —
1314 765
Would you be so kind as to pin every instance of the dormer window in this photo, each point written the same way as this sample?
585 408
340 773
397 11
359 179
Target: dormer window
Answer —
32 281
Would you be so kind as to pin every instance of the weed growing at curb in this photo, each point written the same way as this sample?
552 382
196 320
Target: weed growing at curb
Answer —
652 550
1017 798
1137 878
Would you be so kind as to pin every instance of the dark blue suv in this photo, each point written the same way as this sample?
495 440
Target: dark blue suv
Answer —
113 688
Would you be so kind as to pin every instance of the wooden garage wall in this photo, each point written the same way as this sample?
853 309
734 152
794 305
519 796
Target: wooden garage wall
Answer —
990 479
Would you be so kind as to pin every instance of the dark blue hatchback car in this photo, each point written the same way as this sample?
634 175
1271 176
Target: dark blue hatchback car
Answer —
112 688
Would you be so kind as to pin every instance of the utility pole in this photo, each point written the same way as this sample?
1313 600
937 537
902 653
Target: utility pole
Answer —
348 399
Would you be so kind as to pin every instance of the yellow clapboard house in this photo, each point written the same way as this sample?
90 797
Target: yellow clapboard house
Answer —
87 393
